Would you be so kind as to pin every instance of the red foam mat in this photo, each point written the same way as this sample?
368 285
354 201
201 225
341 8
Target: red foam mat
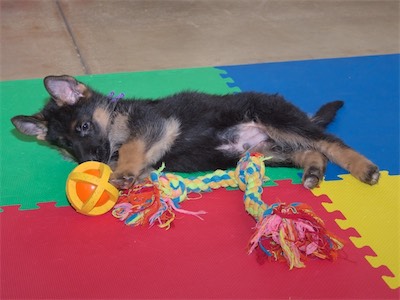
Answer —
57 253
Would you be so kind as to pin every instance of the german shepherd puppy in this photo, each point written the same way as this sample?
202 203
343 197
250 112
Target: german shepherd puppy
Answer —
189 131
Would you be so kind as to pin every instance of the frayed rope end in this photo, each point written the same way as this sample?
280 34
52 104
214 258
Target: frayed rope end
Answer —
144 205
293 233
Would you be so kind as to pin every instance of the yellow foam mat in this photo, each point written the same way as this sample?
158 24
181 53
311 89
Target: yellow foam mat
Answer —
374 211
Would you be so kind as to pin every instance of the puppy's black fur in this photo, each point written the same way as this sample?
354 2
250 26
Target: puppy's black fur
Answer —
189 131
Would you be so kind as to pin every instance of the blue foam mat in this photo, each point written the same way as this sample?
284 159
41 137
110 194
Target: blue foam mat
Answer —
369 85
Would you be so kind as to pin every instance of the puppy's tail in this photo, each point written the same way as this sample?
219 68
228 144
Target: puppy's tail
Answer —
326 114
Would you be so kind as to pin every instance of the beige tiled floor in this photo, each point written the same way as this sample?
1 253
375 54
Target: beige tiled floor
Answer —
42 37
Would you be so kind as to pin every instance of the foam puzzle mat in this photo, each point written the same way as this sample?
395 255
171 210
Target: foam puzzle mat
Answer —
50 251
363 207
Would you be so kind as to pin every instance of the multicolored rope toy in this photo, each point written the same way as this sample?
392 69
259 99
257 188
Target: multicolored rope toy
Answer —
283 232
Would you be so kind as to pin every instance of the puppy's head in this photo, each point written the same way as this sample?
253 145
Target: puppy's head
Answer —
76 119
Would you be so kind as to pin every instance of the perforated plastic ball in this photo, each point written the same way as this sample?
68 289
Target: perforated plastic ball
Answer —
88 189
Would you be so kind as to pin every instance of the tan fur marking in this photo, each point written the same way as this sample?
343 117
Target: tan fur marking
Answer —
287 138
119 131
102 117
131 159
159 148
347 158
73 125
309 158
83 90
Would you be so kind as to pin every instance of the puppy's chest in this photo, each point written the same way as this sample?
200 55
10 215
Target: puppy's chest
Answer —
118 132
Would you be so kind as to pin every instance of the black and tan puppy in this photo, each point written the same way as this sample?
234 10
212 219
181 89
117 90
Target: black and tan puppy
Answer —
189 131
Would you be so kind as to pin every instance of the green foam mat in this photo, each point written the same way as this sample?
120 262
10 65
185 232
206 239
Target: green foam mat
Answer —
33 172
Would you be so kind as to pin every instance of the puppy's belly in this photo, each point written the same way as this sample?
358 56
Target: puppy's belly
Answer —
243 137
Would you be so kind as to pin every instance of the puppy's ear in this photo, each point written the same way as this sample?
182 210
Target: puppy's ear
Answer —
65 89
31 125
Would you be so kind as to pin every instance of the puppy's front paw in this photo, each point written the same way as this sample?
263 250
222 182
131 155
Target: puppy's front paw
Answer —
122 181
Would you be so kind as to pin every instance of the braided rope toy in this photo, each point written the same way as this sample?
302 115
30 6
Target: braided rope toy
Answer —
283 232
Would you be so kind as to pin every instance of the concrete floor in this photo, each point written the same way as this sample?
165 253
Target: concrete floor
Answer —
42 37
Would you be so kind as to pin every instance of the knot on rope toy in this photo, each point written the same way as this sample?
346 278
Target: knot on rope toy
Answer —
288 233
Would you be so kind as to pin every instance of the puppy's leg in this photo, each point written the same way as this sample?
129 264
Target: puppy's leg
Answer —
358 165
131 164
137 156
314 165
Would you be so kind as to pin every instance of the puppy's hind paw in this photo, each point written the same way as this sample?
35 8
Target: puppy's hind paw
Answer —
312 177
311 182
371 176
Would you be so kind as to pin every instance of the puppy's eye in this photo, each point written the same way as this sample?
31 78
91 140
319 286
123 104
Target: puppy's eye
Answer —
84 128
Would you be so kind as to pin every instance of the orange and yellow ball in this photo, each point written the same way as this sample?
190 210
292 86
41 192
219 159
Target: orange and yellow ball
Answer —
88 189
